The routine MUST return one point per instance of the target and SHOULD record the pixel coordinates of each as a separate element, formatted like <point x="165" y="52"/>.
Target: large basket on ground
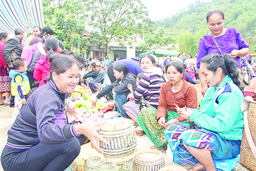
<point x="148" y="160"/>
<point x="121" y="138"/>
<point x="248" y="149"/>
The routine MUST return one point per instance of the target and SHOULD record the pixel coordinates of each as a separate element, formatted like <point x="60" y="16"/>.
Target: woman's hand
<point x="185" y="113"/>
<point x="170" y="122"/>
<point x="90" y="131"/>
<point x="94" y="102"/>
<point x="161" y="122"/>
<point x="234" y="53"/>
<point x="130" y="96"/>
<point x="129" y="86"/>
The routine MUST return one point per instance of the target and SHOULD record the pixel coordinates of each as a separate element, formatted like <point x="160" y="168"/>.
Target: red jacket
<point x="42" y="70"/>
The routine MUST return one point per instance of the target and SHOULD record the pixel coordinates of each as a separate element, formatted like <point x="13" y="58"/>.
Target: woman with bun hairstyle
<point x="219" y="122"/>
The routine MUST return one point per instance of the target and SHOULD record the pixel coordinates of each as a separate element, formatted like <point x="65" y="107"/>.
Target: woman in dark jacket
<point x="119" y="87"/>
<point x="40" y="138"/>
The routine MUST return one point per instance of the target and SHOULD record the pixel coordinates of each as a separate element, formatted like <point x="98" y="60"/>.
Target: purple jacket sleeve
<point x="240" y="40"/>
<point x="201" y="52"/>
<point x="48" y="131"/>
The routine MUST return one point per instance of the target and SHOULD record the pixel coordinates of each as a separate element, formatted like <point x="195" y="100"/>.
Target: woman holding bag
<point x="220" y="40"/>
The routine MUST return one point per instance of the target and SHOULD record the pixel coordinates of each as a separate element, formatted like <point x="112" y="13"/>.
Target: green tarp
<point x="160" y="53"/>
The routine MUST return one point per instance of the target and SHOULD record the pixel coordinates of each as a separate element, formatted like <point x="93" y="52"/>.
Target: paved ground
<point x="143" y="141"/>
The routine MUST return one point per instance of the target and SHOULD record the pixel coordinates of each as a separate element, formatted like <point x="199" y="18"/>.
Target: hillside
<point x="238" y="13"/>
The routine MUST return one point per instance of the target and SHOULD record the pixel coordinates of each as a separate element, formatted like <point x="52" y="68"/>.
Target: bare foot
<point x="163" y="149"/>
<point x="197" y="167"/>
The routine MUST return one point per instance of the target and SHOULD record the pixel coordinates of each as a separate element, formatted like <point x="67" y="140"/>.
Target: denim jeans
<point x="120" y="100"/>
<point x="92" y="86"/>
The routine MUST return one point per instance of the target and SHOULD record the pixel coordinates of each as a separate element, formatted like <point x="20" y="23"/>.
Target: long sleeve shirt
<point x="12" y="49"/>
<point x="186" y="96"/>
<point x="220" y="110"/>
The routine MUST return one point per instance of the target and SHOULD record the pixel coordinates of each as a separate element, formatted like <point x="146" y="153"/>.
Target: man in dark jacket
<point x="94" y="73"/>
<point x="98" y="79"/>
<point x="12" y="50"/>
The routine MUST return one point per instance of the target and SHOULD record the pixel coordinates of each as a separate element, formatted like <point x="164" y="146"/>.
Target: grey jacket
<point x="12" y="50"/>
<point x="100" y="77"/>
<point x="34" y="60"/>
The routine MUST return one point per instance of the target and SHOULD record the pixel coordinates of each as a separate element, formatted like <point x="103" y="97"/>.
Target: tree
<point x="157" y="39"/>
<point x="66" y="18"/>
<point x="119" y="19"/>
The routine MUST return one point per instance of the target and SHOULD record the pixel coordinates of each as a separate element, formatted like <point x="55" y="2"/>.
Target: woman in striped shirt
<point x="148" y="90"/>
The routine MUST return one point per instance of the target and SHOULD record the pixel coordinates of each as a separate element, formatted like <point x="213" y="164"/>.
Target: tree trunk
<point x="105" y="51"/>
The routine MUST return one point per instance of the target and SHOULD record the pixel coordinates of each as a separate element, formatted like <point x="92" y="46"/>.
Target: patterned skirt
<point x="200" y="139"/>
<point x="5" y="81"/>
<point x="148" y="122"/>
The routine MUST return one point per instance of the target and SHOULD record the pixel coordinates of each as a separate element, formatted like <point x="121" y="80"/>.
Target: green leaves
<point x="67" y="21"/>
<point x="115" y="18"/>
<point x="157" y="39"/>
<point x="238" y="13"/>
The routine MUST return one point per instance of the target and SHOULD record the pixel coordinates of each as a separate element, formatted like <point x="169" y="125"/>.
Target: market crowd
<point x="36" y="76"/>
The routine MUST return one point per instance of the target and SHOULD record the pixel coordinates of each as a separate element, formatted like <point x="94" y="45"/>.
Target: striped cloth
<point x="15" y="14"/>
<point x="149" y="87"/>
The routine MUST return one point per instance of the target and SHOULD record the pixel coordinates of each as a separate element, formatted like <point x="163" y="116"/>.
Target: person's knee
<point x="73" y="147"/>
<point x="90" y="83"/>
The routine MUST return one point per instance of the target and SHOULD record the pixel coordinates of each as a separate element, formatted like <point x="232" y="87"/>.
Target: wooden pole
<point x="30" y="10"/>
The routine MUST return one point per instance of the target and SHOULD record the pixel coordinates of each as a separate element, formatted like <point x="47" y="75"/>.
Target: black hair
<point x="3" y="35"/>
<point x="93" y="64"/>
<point x="18" y="31"/>
<point x="177" y="64"/>
<point x="37" y="27"/>
<point x="61" y="63"/>
<point x="225" y="62"/>
<point x="90" y="59"/>
<point x="61" y="45"/>
<point x="18" y="62"/>
<point x="213" y="11"/>
<point x="65" y="52"/>
<point x="80" y="58"/>
<point x="139" y="76"/>
<point x="71" y="53"/>
<point x="51" y="43"/>
<point x="121" y="67"/>
<point x="85" y="65"/>
<point x="47" y="30"/>
<point x="249" y="61"/>
<point x="44" y="38"/>
<point x="150" y="57"/>
<point x="184" y="66"/>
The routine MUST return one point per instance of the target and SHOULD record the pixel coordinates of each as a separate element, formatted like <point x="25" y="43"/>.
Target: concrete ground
<point x="143" y="141"/>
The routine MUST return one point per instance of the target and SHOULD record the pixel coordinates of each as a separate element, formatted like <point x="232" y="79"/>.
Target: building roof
<point x="15" y="13"/>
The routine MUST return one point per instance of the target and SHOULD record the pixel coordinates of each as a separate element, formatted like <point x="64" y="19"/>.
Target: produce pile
<point x="79" y="106"/>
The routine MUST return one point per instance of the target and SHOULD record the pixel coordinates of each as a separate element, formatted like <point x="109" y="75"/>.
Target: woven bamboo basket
<point x="148" y="160"/>
<point x="248" y="159"/>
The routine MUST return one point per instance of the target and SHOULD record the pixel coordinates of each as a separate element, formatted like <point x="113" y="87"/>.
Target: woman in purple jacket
<point x="230" y="41"/>
<point x="41" y="138"/>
